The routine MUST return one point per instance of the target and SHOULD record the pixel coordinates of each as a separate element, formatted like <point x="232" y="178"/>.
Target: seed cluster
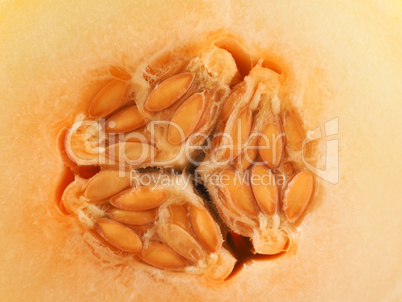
<point x="218" y="113"/>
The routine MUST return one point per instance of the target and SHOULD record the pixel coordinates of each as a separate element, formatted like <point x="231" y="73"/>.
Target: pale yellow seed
<point x="248" y="156"/>
<point x="118" y="235"/>
<point x="126" y="120"/>
<point x="82" y="144"/>
<point x="239" y="191"/>
<point x="239" y="133"/>
<point x="204" y="228"/>
<point x="283" y="175"/>
<point x="270" y="241"/>
<point x="119" y="73"/>
<point x="293" y="131"/>
<point x="271" y="144"/>
<point x="233" y="99"/>
<point x="161" y="256"/>
<point x="169" y="91"/>
<point x="71" y="196"/>
<point x="106" y="184"/>
<point x="264" y="188"/>
<point x="134" y="153"/>
<point x="109" y="99"/>
<point x="139" y="199"/>
<point x="182" y="242"/>
<point x="185" y="119"/>
<point x="179" y="215"/>
<point x="297" y="195"/>
<point x="221" y="268"/>
<point x="132" y="217"/>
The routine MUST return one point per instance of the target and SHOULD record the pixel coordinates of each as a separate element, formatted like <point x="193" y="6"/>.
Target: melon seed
<point x="297" y="195"/>
<point x="169" y="91"/>
<point x="139" y="199"/>
<point x="118" y="235"/>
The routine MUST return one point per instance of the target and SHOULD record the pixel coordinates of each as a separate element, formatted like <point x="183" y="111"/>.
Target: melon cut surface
<point x="346" y="63"/>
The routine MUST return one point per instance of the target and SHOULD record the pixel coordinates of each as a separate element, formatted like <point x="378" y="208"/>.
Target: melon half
<point x="346" y="63"/>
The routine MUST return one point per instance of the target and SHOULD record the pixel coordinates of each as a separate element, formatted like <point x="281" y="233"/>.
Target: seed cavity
<point x="226" y="93"/>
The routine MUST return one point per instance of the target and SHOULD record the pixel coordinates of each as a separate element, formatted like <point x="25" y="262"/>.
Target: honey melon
<point x="343" y="68"/>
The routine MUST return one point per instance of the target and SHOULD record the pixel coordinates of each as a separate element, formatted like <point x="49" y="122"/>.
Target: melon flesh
<point x="346" y="60"/>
